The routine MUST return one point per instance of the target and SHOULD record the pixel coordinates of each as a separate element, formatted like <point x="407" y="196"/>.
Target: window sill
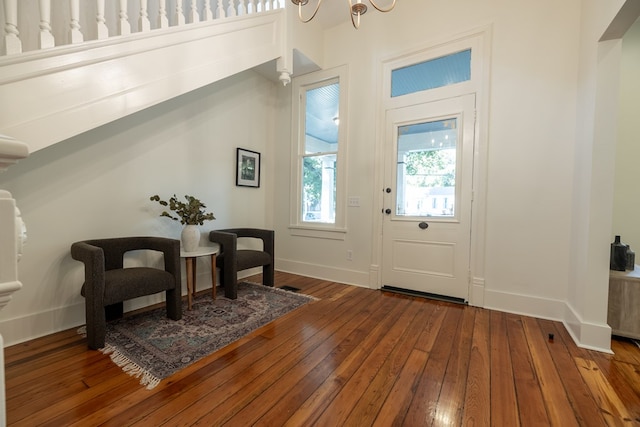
<point x="318" y="232"/>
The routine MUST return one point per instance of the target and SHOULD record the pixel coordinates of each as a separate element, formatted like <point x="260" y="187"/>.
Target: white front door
<point x="428" y="194"/>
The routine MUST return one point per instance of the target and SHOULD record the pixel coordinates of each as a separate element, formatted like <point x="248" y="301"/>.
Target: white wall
<point x="98" y="185"/>
<point x="626" y="209"/>
<point x="531" y="141"/>
<point x="540" y="204"/>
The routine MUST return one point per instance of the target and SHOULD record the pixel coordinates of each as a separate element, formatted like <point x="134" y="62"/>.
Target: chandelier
<point x="356" y="10"/>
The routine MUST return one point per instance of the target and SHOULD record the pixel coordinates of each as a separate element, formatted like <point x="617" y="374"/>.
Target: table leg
<point x="193" y="279"/>
<point x="191" y="282"/>
<point x="213" y="276"/>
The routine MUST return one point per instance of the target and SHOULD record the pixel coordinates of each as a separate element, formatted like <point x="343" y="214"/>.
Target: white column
<point x="163" y="21"/>
<point x="124" y="28"/>
<point x="46" y="38"/>
<point x="144" y="24"/>
<point x="101" y="23"/>
<point x="75" y="35"/>
<point x="193" y="12"/>
<point x="231" y="9"/>
<point x="208" y="14"/>
<point x="242" y="9"/>
<point x="12" y="43"/>
<point x="220" y="10"/>
<point x="179" y="14"/>
<point x="251" y="7"/>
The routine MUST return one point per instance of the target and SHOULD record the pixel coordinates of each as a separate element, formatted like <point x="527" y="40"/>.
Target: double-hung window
<point x="318" y="147"/>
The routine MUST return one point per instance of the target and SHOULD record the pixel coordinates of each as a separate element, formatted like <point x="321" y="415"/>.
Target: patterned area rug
<point x="152" y="347"/>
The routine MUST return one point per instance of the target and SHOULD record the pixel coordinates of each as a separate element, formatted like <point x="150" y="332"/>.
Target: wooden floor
<point x="355" y="357"/>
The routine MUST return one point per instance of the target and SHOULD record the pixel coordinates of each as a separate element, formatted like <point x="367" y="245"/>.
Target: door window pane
<point x="426" y="168"/>
<point x="431" y="74"/>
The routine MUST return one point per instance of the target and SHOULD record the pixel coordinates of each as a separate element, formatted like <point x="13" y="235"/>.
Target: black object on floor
<point x="413" y="293"/>
<point x="289" y="288"/>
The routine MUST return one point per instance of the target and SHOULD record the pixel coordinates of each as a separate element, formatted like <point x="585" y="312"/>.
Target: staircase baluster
<point x="179" y="14"/>
<point x="260" y="6"/>
<point x="124" y="28"/>
<point x="220" y="10"/>
<point x="75" y="35"/>
<point x="12" y="43"/>
<point x="242" y="9"/>
<point x="267" y="5"/>
<point x="163" y="21"/>
<point x="208" y="14"/>
<point x="101" y="22"/>
<point x="46" y="38"/>
<point x="193" y="12"/>
<point x="231" y="10"/>
<point x="251" y="7"/>
<point x="143" y="20"/>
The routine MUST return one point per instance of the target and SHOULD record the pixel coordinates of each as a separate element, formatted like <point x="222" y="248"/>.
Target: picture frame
<point x="247" y="168"/>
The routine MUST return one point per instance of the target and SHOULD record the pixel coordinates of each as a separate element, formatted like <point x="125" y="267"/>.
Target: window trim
<point x="300" y="85"/>
<point x="416" y="57"/>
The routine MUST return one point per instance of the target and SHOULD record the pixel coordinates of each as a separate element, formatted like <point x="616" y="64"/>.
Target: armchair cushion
<point x="128" y="283"/>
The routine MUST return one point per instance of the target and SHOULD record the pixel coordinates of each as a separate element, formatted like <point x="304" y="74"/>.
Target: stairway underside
<point x="50" y="95"/>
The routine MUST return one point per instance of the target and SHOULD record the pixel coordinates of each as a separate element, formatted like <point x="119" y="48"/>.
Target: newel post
<point x="12" y="235"/>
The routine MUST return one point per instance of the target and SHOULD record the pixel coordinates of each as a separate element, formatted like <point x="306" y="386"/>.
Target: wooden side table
<point x="190" y="259"/>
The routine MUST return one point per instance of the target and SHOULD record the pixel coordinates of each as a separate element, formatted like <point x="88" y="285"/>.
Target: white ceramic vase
<point x="190" y="238"/>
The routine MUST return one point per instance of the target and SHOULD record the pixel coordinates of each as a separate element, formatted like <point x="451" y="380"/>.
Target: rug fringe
<point x="147" y="379"/>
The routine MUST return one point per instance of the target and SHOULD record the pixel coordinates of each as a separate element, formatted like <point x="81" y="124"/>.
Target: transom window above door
<point x="431" y="74"/>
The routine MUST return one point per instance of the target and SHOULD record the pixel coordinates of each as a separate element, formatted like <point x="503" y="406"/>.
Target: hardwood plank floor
<point x="354" y="357"/>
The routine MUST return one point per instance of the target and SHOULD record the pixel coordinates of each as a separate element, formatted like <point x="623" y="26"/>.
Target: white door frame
<point x="479" y="42"/>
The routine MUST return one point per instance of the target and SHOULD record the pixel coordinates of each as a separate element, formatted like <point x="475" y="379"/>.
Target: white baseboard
<point x="591" y="336"/>
<point x="340" y="275"/>
<point x="587" y="335"/>
<point x="526" y="305"/>
<point x="36" y="325"/>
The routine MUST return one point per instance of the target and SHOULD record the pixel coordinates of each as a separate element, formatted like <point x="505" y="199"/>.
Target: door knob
<point x="388" y="190"/>
<point x="423" y="225"/>
<point x="387" y="211"/>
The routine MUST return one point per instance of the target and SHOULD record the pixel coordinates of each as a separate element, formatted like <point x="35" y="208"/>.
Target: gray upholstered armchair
<point x="107" y="284"/>
<point x="231" y="259"/>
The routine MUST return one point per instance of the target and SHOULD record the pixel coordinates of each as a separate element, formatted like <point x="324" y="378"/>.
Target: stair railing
<point x="30" y="24"/>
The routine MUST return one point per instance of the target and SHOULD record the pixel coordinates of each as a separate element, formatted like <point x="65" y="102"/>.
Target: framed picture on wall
<point x="247" y="168"/>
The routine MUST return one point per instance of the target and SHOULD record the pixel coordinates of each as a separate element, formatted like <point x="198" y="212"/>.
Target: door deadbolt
<point x="423" y="225"/>
<point x="387" y="211"/>
<point x="388" y="190"/>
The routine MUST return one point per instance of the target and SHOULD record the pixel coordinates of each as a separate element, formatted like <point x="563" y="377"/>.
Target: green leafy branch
<point x="190" y="213"/>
